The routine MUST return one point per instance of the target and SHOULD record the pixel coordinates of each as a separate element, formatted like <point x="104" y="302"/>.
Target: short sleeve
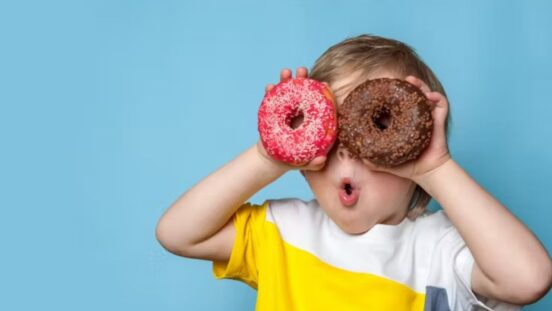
<point x="243" y="263"/>
<point x="458" y="261"/>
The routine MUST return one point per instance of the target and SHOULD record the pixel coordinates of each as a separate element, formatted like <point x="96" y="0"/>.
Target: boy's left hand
<point x="437" y="152"/>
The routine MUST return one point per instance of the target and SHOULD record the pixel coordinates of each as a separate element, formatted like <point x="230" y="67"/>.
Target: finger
<point x="432" y="100"/>
<point x="317" y="167"/>
<point x="302" y="72"/>
<point x="419" y="83"/>
<point x="369" y="164"/>
<point x="269" y="87"/>
<point x="440" y="110"/>
<point x="416" y="81"/>
<point x="439" y="99"/>
<point x="439" y="103"/>
<point x="317" y="163"/>
<point x="374" y="167"/>
<point x="318" y="160"/>
<point x="285" y="74"/>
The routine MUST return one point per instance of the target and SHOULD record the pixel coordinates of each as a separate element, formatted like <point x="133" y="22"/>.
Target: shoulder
<point x="295" y="217"/>
<point x="435" y="220"/>
<point x="431" y="227"/>
<point x="287" y="214"/>
<point x="449" y="271"/>
<point x="291" y="210"/>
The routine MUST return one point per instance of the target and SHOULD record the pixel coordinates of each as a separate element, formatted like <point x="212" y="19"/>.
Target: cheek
<point x="390" y="185"/>
<point x="321" y="186"/>
<point x="315" y="179"/>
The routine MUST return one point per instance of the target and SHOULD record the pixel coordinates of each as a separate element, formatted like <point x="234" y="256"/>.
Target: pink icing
<point x="317" y="132"/>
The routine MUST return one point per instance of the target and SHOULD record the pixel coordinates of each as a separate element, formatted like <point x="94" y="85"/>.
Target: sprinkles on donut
<point x="386" y="121"/>
<point x="297" y="121"/>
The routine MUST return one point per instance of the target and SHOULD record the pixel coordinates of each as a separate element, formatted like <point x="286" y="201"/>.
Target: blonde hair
<point x="366" y="54"/>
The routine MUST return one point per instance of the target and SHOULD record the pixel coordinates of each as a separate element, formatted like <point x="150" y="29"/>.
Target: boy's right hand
<point x="199" y="224"/>
<point x="316" y="163"/>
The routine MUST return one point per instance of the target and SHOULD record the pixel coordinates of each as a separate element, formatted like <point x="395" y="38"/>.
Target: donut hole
<point x="295" y="119"/>
<point x="382" y="118"/>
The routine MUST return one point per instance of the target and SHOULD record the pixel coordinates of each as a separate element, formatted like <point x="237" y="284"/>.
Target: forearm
<point x="206" y="207"/>
<point x="503" y="247"/>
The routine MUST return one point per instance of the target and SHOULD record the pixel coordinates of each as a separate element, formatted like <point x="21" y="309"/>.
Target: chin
<point x="356" y="231"/>
<point x="354" y="228"/>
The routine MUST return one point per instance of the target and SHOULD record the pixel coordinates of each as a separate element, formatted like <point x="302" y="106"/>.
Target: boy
<point x="384" y="252"/>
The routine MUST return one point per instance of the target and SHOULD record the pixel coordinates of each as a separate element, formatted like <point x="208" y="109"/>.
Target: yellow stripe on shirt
<point x="289" y="278"/>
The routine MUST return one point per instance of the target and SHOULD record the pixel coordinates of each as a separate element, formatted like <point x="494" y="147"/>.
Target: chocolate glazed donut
<point x="386" y="121"/>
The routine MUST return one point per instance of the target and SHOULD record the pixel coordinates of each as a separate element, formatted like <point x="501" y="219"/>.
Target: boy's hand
<point x="316" y="163"/>
<point x="437" y="152"/>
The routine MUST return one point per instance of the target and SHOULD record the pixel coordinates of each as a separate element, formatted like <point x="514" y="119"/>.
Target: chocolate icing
<point x="386" y="121"/>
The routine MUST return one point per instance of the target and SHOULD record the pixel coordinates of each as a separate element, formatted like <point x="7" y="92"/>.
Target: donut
<point x="386" y="121"/>
<point x="297" y="120"/>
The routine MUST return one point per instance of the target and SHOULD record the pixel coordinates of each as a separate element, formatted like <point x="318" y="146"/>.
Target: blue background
<point x="111" y="109"/>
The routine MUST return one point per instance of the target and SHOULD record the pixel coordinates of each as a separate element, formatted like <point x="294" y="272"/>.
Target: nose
<point x="343" y="154"/>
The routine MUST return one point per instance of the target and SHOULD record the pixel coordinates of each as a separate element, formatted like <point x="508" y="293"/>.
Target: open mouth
<point x="348" y="192"/>
<point x="348" y="189"/>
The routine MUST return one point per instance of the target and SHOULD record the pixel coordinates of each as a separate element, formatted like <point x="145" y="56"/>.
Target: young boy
<point x="384" y="252"/>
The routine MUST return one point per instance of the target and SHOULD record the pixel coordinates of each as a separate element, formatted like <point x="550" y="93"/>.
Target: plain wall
<point x="110" y="110"/>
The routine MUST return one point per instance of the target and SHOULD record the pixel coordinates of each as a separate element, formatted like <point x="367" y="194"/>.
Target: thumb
<point x="375" y="167"/>
<point x="316" y="163"/>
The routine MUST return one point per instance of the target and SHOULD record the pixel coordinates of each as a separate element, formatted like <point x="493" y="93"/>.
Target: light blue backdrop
<point x="111" y="109"/>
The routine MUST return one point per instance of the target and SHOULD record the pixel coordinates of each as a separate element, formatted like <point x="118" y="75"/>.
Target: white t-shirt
<point x="425" y="260"/>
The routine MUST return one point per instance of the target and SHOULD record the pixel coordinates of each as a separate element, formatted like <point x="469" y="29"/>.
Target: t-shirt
<point x="299" y="259"/>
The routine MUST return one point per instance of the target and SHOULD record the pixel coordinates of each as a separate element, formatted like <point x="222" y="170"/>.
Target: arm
<point x="198" y="224"/>
<point x="511" y="264"/>
<point x="188" y="225"/>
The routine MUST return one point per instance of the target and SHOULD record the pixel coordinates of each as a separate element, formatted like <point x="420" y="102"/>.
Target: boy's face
<point x="355" y="197"/>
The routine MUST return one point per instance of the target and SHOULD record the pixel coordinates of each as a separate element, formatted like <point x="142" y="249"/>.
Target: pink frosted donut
<point x="298" y="120"/>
